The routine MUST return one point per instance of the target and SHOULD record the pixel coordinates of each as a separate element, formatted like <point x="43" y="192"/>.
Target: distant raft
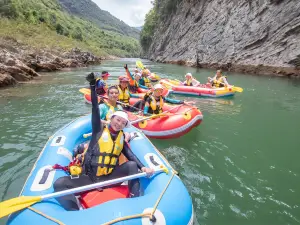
<point x="166" y="191"/>
<point x="177" y="88"/>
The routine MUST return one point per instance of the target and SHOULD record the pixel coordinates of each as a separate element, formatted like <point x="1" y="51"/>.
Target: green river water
<point x="241" y="165"/>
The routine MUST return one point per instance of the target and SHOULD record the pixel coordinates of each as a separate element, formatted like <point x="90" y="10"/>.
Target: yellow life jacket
<point x="154" y="104"/>
<point x="189" y="82"/>
<point x="124" y="95"/>
<point x="109" y="152"/>
<point x="147" y="82"/>
<point x="110" y="111"/>
<point x="219" y="82"/>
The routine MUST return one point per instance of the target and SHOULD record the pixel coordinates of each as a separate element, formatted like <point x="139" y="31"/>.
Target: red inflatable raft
<point x="177" y="88"/>
<point x="177" y="121"/>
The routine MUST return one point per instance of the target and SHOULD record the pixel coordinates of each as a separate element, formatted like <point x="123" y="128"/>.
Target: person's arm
<point x="131" y="156"/>
<point x="133" y="95"/>
<point x="96" y="122"/>
<point x="173" y="101"/>
<point x="146" y="107"/>
<point x="142" y="86"/>
<point x="103" y="111"/>
<point x="195" y="82"/>
<point x="141" y="82"/>
<point x="225" y="81"/>
<point x="129" y="75"/>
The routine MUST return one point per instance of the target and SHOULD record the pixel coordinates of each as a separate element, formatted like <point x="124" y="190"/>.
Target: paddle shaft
<point x="98" y="185"/>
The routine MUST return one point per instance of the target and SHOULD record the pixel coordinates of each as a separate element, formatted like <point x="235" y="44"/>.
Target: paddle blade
<point x="16" y="204"/>
<point x="237" y="89"/>
<point x="85" y="91"/>
<point x="139" y="64"/>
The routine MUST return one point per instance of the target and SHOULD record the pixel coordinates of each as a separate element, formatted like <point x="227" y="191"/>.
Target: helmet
<point x="188" y="75"/>
<point x="138" y="74"/>
<point x="122" y="114"/>
<point x="158" y="86"/>
<point x="123" y="78"/>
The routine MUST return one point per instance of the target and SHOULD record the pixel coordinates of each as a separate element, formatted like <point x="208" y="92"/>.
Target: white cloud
<point x="131" y="12"/>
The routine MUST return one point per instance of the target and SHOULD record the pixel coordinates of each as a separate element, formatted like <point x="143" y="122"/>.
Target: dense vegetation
<point x="88" y="10"/>
<point x="162" y="9"/>
<point x="29" y="16"/>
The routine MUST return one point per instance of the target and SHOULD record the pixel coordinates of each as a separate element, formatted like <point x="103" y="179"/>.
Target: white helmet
<point x="158" y="86"/>
<point x="122" y="114"/>
<point x="138" y="74"/>
<point x="188" y="75"/>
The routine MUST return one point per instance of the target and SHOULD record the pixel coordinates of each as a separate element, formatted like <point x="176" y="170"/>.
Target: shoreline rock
<point x="19" y="62"/>
<point x="246" y="69"/>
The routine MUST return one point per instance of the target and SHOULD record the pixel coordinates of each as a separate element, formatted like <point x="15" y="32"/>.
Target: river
<point x="240" y="165"/>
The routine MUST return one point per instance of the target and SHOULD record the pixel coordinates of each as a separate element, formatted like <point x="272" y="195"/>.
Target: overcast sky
<point x="131" y="12"/>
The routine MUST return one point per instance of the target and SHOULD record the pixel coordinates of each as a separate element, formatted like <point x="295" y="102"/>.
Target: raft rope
<point x="150" y="215"/>
<point x="46" y="216"/>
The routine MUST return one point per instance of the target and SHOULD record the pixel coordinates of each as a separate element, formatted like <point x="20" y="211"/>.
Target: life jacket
<point x="147" y="82"/>
<point x="100" y="90"/>
<point x="219" y="82"/>
<point x="188" y="82"/>
<point x="156" y="107"/>
<point x="133" y="86"/>
<point x="124" y="95"/>
<point x="103" y="161"/>
<point x="111" y="110"/>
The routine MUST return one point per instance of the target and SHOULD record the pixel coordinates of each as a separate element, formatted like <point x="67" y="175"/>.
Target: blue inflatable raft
<point x="175" y="205"/>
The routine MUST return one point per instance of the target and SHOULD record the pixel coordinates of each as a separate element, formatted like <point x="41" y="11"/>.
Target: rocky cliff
<point x="20" y="62"/>
<point x="256" y="36"/>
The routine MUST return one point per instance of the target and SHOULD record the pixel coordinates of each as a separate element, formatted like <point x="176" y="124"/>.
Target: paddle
<point x="237" y="89"/>
<point x="15" y="204"/>
<point x="139" y="64"/>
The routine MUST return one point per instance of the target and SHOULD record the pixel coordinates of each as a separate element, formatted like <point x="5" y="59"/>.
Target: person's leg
<point x="126" y="169"/>
<point x="69" y="202"/>
<point x="139" y="104"/>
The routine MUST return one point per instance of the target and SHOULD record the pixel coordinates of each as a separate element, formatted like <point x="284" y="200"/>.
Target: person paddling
<point x="218" y="80"/>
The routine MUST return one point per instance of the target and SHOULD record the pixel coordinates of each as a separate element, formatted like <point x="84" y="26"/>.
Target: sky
<point x="131" y="12"/>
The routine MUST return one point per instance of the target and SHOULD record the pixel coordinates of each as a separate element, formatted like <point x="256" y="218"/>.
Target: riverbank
<point x="20" y="62"/>
<point x="247" y="69"/>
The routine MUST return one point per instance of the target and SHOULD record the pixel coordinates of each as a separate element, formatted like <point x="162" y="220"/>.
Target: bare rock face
<point x="22" y="63"/>
<point x="257" y="36"/>
<point x="6" y="80"/>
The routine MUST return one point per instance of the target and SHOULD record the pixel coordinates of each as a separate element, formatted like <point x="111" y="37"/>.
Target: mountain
<point x="139" y="28"/>
<point x="88" y="10"/>
<point x="254" y="36"/>
<point x="78" y="23"/>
